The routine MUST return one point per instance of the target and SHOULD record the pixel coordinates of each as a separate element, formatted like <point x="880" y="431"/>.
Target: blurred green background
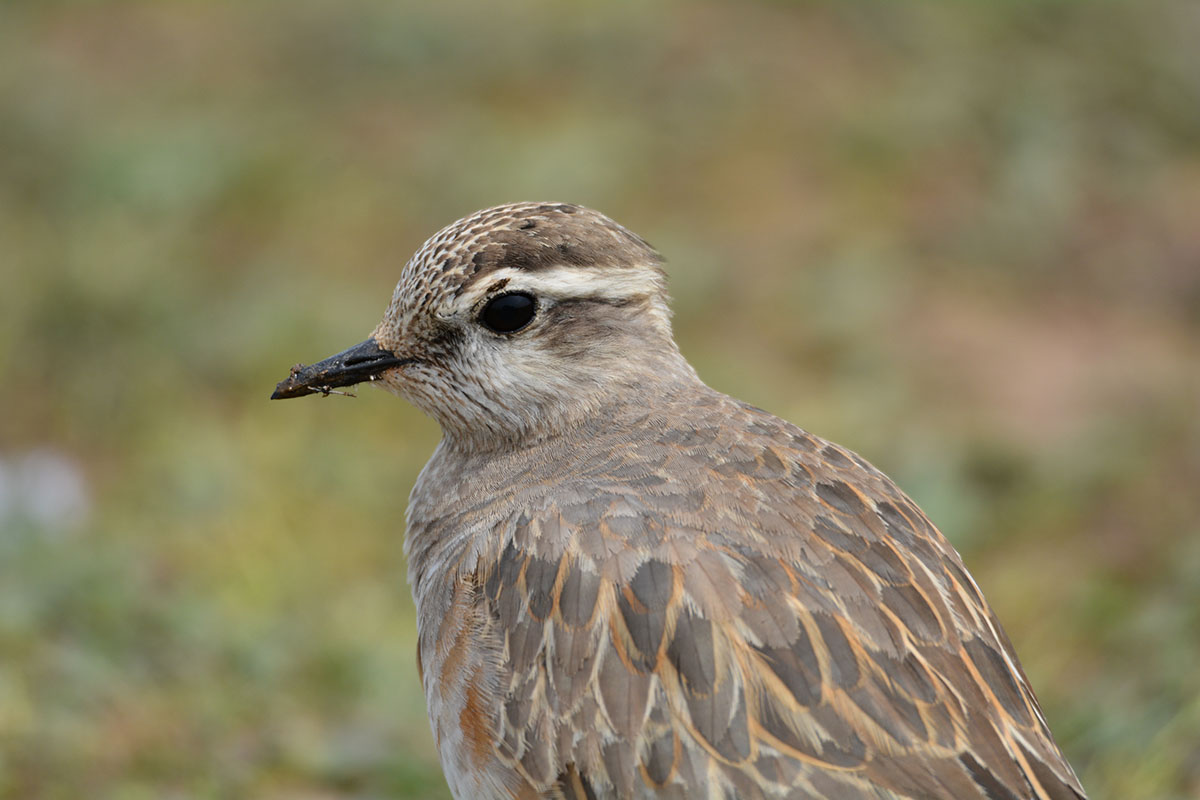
<point x="962" y="239"/>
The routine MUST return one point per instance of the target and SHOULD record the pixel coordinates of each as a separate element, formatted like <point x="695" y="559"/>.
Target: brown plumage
<point x="631" y="585"/>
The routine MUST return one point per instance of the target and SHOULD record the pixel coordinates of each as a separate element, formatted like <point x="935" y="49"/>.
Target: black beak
<point x="361" y="363"/>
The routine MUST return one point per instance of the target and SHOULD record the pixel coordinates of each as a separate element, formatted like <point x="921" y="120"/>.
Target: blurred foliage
<point x="963" y="239"/>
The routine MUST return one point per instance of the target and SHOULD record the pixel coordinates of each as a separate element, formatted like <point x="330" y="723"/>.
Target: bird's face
<point x="512" y="321"/>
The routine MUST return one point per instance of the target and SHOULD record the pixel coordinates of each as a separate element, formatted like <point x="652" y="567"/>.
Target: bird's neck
<point x="628" y="387"/>
<point x="448" y="526"/>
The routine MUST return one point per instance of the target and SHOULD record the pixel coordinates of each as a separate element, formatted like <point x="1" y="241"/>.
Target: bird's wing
<point x="831" y="646"/>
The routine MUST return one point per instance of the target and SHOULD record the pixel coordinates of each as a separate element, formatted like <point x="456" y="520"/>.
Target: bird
<point x="630" y="585"/>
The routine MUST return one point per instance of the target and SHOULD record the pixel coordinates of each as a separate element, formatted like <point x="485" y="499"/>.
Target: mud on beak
<point x="362" y="363"/>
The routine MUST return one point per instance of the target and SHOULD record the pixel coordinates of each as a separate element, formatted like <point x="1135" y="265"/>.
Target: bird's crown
<point x="553" y="250"/>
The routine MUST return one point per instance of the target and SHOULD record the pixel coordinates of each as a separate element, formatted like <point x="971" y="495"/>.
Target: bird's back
<point x="731" y="608"/>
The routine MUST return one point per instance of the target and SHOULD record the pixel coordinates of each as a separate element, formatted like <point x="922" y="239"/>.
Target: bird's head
<point x="514" y="321"/>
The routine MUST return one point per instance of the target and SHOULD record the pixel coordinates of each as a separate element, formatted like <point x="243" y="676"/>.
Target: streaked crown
<point x="561" y="248"/>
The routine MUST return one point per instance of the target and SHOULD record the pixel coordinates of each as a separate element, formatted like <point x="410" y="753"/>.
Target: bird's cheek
<point x="391" y="381"/>
<point x="410" y="382"/>
<point x="417" y="384"/>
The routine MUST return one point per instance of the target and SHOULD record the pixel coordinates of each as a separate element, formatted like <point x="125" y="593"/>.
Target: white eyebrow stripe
<point x="561" y="283"/>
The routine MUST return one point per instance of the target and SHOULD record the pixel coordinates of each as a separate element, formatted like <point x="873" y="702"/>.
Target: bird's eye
<point x="509" y="313"/>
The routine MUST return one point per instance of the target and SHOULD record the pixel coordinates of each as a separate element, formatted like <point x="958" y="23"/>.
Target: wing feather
<point x="749" y="621"/>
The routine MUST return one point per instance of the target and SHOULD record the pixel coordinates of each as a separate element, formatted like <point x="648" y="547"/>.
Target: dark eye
<point x="509" y="312"/>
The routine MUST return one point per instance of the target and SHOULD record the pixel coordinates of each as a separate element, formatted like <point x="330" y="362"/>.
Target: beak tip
<point x="288" y="388"/>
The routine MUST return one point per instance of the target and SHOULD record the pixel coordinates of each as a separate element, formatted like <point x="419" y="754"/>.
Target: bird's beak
<point x="363" y="362"/>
